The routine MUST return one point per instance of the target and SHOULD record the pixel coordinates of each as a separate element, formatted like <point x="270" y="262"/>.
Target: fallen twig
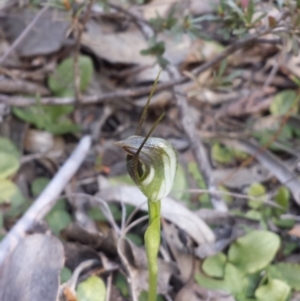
<point x="22" y="101"/>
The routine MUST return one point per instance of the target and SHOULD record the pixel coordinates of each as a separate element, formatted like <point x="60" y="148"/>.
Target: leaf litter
<point x="242" y="109"/>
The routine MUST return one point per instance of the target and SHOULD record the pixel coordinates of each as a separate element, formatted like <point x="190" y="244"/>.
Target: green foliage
<point x="136" y="239"/>
<point x="256" y="190"/>
<point x="286" y="272"/>
<point x="239" y="273"/>
<point x="274" y="290"/>
<point x="6" y="146"/>
<point x="65" y="275"/>
<point x="234" y="281"/>
<point x="226" y="155"/>
<point x="38" y="185"/>
<point x="220" y="78"/>
<point x="52" y="119"/>
<point x="282" y="199"/>
<point x="122" y="285"/>
<point x="157" y="49"/>
<point x="221" y="154"/>
<point x="58" y="218"/>
<point x="9" y="164"/>
<point x="159" y="24"/>
<point x="61" y="83"/>
<point x="214" y="266"/>
<point x="10" y="194"/>
<point x="152" y="243"/>
<point x="96" y="214"/>
<point x="283" y="102"/>
<point x="254" y="251"/>
<point x="92" y="289"/>
<point x="144" y="297"/>
<point x="237" y="17"/>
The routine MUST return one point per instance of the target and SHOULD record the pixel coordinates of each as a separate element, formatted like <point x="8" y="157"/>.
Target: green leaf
<point x="214" y="266"/>
<point x="122" y="285"/>
<point x="210" y="283"/>
<point x="61" y="83"/>
<point x="38" y="185"/>
<point x="274" y="290"/>
<point x="9" y="164"/>
<point x="256" y="190"/>
<point x="96" y="214"/>
<point x="235" y="280"/>
<point x="283" y="101"/>
<point x="50" y="118"/>
<point x="58" y="220"/>
<point x="136" y="239"/>
<point x="92" y="289"/>
<point x="254" y="251"/>
<point x="6" y="146"/>
<point x="144" y="297"/>
<point x="10" y="193"/>
<point x="254" y="215"/>
<point x="286" y="272"/>
<point x="285" y="223"/>
<point x="222" y="154"/>
<point x="65" y="275"/>
<point x="282" y="199"/>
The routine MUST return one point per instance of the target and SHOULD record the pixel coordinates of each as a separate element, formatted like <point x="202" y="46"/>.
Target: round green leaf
<point x="256" y="190"/>
<point x="38" y="185"/>
<point x="92" y="289"/>
<point x="6" y="146"/>
<point x="10" y="193"/>
<point x="9" y="164"/>
<point x="61" y="83"/>
<point x="214" y="266"/>
<point x="254" y="251"/>
<point x="274" y="290"/>
<point x="58" y="220"/>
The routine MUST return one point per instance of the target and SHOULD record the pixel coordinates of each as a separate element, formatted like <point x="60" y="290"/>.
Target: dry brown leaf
<point x="295" y="231"/>
<point x="181" y="252"/>
<point x="240" y="177"/>
<point x="32" y="271"/>
<point x="193" y="292"/>
<point x="47" y="35"/>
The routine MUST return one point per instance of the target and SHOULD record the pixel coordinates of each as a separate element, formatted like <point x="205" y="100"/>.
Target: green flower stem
<point x="152" y="243"/>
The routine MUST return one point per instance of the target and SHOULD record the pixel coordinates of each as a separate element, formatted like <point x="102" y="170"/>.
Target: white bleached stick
<point x="44" y="203"/>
